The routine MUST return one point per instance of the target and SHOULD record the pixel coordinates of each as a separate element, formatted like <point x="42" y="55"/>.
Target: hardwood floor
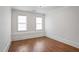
<point x="41" y="44"/>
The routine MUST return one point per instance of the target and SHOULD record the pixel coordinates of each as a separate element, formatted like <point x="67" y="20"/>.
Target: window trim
<point x="18" y="23"/>
<point x="39" y="23"/>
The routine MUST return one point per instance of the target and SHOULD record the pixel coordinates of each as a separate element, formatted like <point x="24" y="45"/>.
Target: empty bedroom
<point x="39" y="29"/>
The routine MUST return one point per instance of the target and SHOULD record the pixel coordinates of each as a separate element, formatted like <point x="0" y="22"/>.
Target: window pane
<point x="38" y="26"/>
<point x="38" y="20"/>
<point x="21" y="27"/>
<point x="22" y="22"/>
<point x="21" y="19"/>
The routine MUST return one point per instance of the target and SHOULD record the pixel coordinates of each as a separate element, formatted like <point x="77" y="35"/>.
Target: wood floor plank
<point x="41" y="44"/>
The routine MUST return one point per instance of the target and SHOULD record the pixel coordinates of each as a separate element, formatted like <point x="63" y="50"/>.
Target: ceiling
<point x="37" y="9"/>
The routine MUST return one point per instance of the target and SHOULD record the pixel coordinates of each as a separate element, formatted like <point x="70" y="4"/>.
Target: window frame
<point x="19" y="23"/>
<point x="38" y="23"/>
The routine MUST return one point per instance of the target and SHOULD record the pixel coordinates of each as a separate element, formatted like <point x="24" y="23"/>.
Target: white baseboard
<point x="71" y="43"/>
<point x="7" y="47"/>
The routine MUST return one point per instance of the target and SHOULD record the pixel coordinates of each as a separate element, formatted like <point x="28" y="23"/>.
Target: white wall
<point x="31" y="30"/>
<point x="63" y="25"/>
<point x="5" y="28"/>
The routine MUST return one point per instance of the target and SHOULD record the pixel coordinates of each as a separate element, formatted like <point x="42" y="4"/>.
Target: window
<point x="38" y="23"/>
<point x="22" y="23"/>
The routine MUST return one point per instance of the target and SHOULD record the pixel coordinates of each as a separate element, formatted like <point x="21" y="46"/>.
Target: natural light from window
<point x="38" y="23"/>
<point x="22" y="23"/>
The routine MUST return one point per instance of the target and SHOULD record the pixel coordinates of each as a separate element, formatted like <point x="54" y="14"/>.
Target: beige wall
<point x="31" y="26"/>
